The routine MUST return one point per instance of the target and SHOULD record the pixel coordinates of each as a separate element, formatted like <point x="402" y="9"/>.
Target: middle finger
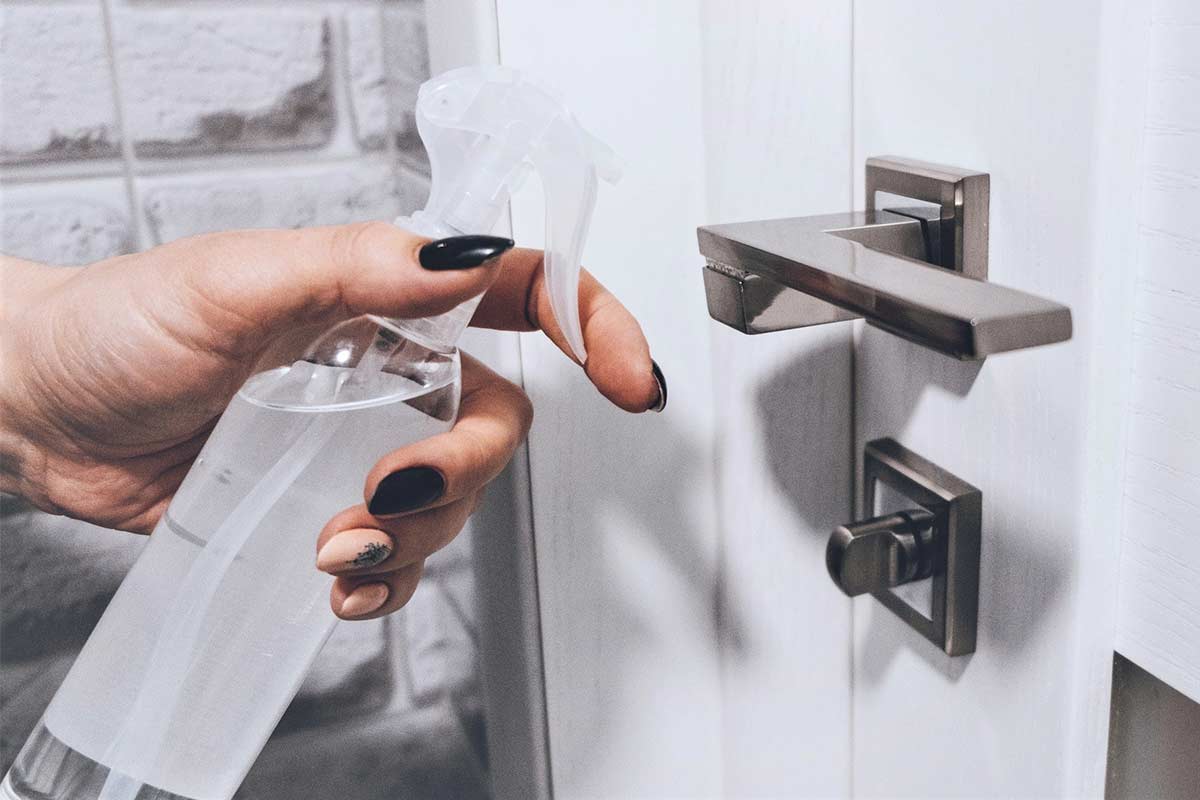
<point x="356" y="543"/>
<point x="493" y="419"/>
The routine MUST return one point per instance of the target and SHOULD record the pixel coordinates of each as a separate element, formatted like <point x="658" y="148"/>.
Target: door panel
<point x="623" y="505"/>
<point x="1024" y="91"/>
<point x="681" y="662"/>
<point x="777" y="136"/>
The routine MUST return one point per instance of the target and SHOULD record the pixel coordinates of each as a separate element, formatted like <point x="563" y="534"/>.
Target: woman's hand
<point x="114" y="374"/>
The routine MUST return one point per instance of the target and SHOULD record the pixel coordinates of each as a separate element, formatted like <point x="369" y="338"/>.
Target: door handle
<point x="936" y="537"/>
<point x="880" y="553"/>
<point x="919" y="273"/>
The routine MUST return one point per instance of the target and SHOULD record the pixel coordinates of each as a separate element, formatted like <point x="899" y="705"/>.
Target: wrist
<point x="22" y="464"/>
<point x="20" y="461"/>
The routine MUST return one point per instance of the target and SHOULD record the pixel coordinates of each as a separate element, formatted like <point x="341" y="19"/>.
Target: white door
<point x="693" y="644"/>
<point x="1047" y="98"/>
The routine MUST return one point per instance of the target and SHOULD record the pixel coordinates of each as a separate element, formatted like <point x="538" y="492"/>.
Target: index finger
<point x="493" y="420"/>
<point x="619" y="362"/>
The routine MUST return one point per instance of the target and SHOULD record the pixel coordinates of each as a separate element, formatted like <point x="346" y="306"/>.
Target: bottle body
<point x="186" y="712"/>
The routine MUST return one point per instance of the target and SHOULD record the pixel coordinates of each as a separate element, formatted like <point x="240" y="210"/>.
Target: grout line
<point x="41" y="172"/>
<point x="392" y="114"/>
<point x="296" y="7"/>
<point x="341" y="77"/>
<point x="128" y="157"/>
<point x="343" y="138"/>
<point x="197" y="164"/>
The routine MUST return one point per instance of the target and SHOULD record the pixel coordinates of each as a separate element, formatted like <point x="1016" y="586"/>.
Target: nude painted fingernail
<point x="364" y="600"/>
<point x="354" y="549"/>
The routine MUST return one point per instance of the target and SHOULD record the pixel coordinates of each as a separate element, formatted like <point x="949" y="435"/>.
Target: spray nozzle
<point x="486" y="129"/>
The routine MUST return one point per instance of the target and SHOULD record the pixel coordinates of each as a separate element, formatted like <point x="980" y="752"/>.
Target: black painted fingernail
<point x="406" y="490"/>
<point x="463" y="252"/>
<point x="662" y="386"/>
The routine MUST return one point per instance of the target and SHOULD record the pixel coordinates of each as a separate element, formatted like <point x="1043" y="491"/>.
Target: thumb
<point x="271" y="278"/>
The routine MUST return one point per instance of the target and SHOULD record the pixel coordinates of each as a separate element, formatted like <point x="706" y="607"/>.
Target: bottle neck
<point x="440" y="332"/>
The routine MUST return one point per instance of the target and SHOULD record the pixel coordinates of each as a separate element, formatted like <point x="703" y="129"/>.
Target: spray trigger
<point x="485" y="129"/>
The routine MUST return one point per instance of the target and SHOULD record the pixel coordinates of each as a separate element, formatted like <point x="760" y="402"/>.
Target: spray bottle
<point x="209" y="636"/>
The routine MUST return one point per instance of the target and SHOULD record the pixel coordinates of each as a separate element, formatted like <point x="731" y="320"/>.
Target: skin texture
<point x="112" y="375"/>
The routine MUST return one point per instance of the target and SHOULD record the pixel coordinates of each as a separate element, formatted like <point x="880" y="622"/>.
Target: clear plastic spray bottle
<point x="209" y="636"/>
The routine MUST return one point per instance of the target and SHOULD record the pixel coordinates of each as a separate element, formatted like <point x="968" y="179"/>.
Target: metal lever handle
<point x="916" y="274"/>
<point x="883" y="552"/>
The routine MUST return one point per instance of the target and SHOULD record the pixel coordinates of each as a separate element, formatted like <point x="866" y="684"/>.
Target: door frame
<point x="461" y="33"/>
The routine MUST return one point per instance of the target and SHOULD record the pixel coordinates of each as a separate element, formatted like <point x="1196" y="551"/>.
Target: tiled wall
<point x="127" y="123"/>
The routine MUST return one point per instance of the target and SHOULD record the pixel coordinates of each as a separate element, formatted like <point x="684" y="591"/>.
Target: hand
<point x="112" y="375"/>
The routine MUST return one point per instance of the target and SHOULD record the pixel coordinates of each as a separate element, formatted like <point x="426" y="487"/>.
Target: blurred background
<point x="131" y="123"/>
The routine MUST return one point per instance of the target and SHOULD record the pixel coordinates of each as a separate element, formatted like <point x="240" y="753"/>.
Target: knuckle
<point x="478" y="450"/>
<point x="534" y="293"/>
<point x="524" y="410"/>
<point x="377" y="232"/>
<point x="200" y="250"/>
<point x="445" y="531"/>
<point x="519" y="406"/>
<point x="356" y="244"/>
<point x="406" y="584"/>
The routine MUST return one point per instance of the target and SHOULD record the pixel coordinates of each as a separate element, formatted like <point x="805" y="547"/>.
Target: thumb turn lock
<point x="935" y="538"/>
<point x="883" y="552"/>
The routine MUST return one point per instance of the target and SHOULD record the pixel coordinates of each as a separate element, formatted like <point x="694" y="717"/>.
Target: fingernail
<point x="405" y="490"/>
<point x="662" y="386"/>
<point x="354" y="549"/>
<point x="462" y="252"/>
<point x="365" y="599"/>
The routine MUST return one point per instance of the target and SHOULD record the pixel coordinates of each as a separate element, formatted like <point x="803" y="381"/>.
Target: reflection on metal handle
<point x="883" y="552"/>
<point x="917" y="272"/>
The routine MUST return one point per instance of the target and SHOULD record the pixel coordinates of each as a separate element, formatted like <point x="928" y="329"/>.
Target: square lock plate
<point x="957" y="509"/>
<point x="959" y="224"/>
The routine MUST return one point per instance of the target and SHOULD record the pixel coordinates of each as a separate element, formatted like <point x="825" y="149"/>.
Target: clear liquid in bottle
<point x="268" y="617"/>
